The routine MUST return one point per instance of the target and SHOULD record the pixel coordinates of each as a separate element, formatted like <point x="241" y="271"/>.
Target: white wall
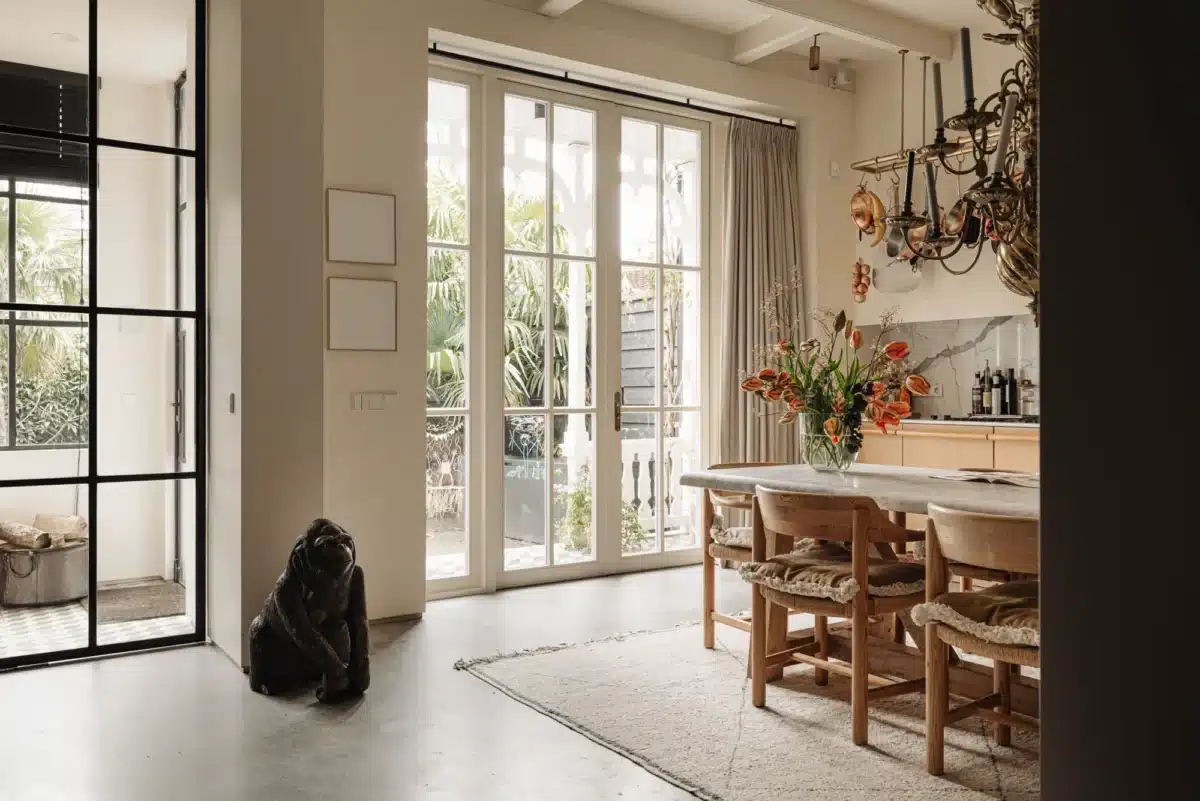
<point x="940" y="295"/>
<point x="135" y="379"/>
<point x="374" y="125"/>
<point x="266" y="234"/>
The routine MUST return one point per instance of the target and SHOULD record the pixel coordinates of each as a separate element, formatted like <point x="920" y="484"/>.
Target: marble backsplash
<point x="950" y="352"/>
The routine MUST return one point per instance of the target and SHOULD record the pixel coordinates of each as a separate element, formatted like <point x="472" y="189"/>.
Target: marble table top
<point x="897" y="489"/>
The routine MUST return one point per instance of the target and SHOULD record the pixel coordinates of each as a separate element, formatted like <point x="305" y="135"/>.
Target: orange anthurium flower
<point x="905" y="396"/>
<point x="796" y="404"/>
<point x="856" y="339"/>
<point x="784" y="378"/>
<point x="839" y="405"/>
<point x="833" y="427"/>
<point x="896" y="350"/>
<point x="877" y="389"/>
<point x="917" y="385"/>
<point x="898" y="409"/>
<point x="767" y="374"/>
<point x="753" y="384"/>
<point x="773" y="395"/>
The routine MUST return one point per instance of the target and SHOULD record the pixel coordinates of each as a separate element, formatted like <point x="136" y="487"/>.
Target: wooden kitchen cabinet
<point x="948" y="446"/>
<point x="880" y="448"/>
<point x="1017" y="449"/>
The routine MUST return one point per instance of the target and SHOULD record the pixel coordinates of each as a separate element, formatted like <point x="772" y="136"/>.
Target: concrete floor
<point x="182" y="725"/>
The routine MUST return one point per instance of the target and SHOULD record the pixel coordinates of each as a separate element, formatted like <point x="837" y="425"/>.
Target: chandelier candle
<point x="968" y="81"/>
<point x="938" y="115"/>
<point x="935" y="215"/>
<point x="1006" y="124"/>
<point x="912" y="157"/>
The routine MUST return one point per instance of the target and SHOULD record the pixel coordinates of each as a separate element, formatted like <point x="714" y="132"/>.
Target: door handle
<point x="617" y="398"/>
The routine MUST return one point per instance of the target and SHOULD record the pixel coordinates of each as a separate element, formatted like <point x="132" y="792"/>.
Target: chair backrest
<point x="997" y="542"/>
<point x="824" y="517"/>
<point x="728" y="498"/>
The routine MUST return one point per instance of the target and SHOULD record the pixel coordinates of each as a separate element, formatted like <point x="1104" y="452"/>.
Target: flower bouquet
<point x="823" y="385"/>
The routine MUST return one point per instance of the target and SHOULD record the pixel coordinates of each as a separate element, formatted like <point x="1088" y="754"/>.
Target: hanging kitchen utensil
<point x="893" y="276"/>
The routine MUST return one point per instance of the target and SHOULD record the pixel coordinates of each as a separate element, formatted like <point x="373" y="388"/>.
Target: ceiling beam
<point x="870" y="26"/>
<point x="778" y="32"/>
<point x="556" y="8"/>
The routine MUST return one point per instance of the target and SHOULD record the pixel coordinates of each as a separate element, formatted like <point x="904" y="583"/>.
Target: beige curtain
<point x="762" y="249"/>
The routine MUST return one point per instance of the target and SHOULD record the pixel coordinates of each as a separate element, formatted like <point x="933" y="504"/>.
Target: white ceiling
<point x="142" y="41"/>
<point x="733" y="16"/>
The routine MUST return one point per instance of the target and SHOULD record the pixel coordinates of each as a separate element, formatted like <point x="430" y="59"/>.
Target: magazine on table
<point x="1028" y="480"/>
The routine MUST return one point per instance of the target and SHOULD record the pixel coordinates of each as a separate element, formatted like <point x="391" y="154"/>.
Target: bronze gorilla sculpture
<point x="313" y="626"/>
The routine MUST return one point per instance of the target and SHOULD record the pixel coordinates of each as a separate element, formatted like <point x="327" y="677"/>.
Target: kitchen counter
<point x="991" y="423"/>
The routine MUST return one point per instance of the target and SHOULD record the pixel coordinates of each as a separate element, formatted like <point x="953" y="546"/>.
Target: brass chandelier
<point x="1000" y="206"/>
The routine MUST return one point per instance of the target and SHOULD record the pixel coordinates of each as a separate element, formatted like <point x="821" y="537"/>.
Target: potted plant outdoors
<point x="826" y="389"/>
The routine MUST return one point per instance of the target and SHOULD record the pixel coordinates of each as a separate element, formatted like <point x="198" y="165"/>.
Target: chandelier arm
<point x="971" y="266"/>
<point x="946" y="166"/>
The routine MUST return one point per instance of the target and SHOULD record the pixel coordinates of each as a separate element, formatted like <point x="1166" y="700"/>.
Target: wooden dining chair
<point x="968" y="574"/>
<point x="828" y="580"/>
<point x="999" y="622"/>
<point x="723" y="543"/>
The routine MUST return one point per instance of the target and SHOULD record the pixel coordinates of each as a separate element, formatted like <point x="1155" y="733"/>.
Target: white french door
<point x="567" y="267"/>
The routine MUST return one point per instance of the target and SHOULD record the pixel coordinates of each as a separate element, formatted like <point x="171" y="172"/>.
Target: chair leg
<point x="710" y="597"/>
<point x="821" y="632"/>
<point x="965" y="583"/>
<point x="859" y="669"/>
<point x="758" y="648"/>
<point x="1002" y="684"/>
<point x="937" y="699"/>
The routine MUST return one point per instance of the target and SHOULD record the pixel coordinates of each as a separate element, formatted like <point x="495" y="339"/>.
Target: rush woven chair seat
<point x="1001" y="622"/>
<point x="835" y="577"/>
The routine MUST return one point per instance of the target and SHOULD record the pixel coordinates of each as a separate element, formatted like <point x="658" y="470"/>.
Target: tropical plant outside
<point x="50" y="395"/>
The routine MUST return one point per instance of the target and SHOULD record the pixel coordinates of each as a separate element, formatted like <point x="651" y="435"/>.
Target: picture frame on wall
<point x="360" y="227"/>
<point x="362" y="314"/>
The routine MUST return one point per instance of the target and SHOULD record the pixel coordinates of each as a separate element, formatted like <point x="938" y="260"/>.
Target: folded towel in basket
<point x="70" y="527"/>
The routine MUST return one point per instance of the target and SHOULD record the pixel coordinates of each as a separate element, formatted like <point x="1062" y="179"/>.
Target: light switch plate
<point x="835" y="170"/>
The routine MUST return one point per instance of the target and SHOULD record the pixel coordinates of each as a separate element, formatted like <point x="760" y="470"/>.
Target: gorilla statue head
<point x="326" y="550"/>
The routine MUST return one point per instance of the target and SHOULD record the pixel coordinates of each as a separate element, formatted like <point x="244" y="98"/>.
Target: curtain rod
<point x="565" y="77"/>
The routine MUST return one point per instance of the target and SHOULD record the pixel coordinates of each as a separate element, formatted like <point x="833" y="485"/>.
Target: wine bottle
<point x="977" y="395"/>
<point x="997" y="392"/>
<point x="1013" y="393"/>
<point x="986" y="389"/>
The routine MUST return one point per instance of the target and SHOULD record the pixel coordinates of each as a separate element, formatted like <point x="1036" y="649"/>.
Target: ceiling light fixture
<point x="814" y="54"/>
<point x="1001" y="203"/>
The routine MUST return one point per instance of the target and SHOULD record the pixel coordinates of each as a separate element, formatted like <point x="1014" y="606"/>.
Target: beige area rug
<point x="683" y="713"/>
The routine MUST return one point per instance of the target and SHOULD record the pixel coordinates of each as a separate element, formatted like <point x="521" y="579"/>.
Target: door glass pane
<point x="44" y="66"/>
<point x="445" y="497"/>
<point x="136" y="215"/>
<point x="639" y="191"/>
<point x="525" y="491"/>
<point x="639" y="482"/>
<point x="135" y="394"/>
<point x="4" y="225"/>
<point x="50" y="398"/>
<point x="138" y="595"/>
<point x="43" y="592"/>
<point x="525" y="150"/>
<point x="143" y="47"/>
<point x="638" y="335"/>
<point x="574" y="182"/>
<point x="681" y="337"/>
<point x="681" y="197"/>
<point x="446" y="329"/>
<point x="51" y="252"/>
<point x="574" y="527"/>
<point x="524" y="331"/>
<point x="447" y="163"/>
<point x="681" y="454"/>
<point x="574" y="310"/>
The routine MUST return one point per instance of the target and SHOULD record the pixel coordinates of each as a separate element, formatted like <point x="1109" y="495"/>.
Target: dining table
<point x="896" y="645"/>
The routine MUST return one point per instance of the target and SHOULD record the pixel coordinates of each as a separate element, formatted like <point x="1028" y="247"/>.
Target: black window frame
<point x="72" y="143"/>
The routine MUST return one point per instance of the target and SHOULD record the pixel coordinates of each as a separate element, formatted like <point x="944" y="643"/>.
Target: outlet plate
<point x="936" y="391"/>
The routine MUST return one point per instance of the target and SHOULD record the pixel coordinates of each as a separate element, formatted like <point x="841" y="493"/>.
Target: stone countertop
<point x="997" y="424"/>
<point x="898" y="489"/>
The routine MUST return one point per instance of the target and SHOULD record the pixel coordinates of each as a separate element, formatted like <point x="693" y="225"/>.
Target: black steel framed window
<point x="50" y="146"/>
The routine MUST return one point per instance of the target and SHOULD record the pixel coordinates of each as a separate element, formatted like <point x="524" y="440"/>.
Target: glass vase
<point x="818" y="449"/>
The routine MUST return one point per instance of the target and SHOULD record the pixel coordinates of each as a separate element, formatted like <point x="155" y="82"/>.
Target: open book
<point x="1028" y="480"/>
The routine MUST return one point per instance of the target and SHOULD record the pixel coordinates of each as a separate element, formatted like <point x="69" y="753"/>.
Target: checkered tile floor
<point x="44" y="629"/>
